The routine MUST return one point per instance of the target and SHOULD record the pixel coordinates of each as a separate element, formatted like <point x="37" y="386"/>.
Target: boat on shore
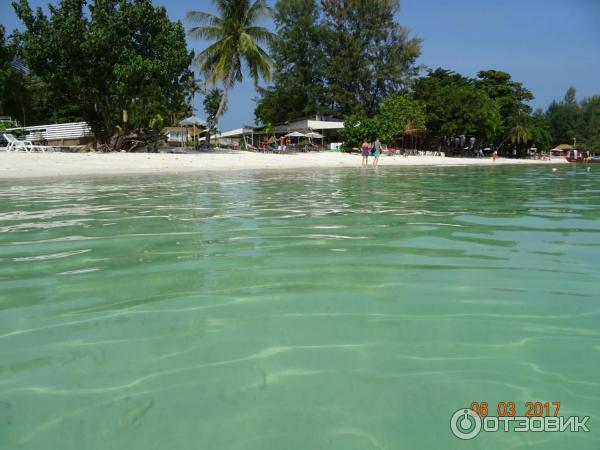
<point x="588" y="160"/>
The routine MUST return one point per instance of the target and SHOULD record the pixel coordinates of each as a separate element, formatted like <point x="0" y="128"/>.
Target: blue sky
<point x="548" y="45"/>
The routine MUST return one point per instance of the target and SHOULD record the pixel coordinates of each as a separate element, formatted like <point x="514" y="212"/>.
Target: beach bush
<point x="157" y="122"/>
<point x="397" y="113"/>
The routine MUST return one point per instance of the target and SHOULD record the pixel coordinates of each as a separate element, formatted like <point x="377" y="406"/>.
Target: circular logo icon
<point x="465" y="424"/>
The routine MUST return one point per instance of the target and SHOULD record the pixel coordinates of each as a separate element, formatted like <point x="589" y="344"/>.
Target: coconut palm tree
<point x="520" y="132"/>
<point x="237" y="40"/>
<point x="192" y="87"/>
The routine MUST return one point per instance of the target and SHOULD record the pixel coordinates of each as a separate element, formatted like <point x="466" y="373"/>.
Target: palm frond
<point x="259" y="9"/>
<point x="208" y="32"/>
<point x="257" y="60"/>
<point x="260" y="34"/>
<point x="203" y="17"/>
<point x="237" y="38"/>
<point x="218" y="60"/>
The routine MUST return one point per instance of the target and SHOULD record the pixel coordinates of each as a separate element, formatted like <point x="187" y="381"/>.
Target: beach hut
<point x="411" y="137"/>
<point x="193" y="122"/>
<point x="562" y="150"/>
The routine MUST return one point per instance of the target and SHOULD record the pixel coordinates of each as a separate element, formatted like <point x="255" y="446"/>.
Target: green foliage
<point x="456" y="105"/>
<point x="369" y="55"/>
<point x="589" y="128"/>
<point x="564" y="118"/>
<point x="6" y="70"/>
<point x="509" y="94"/>
<point x="298" y="80"/>
<point x="268" y="129"/>
<point x="356" y="128"/>
<point x="570" y="96"/>
<point x="568" y="121"/>
<point x="520" y="132"/>
<point x="343" y="58"/>
<point x="157" y="122"/>
<point x="397" y="113"/>
<point x="12" y="82"/>
<point x="540" y="130"/>
<point x="237" y="40"/>
<point x="211" y="103"/>
<point x="110" y="57"/>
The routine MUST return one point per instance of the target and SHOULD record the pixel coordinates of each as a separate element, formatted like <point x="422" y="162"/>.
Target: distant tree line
<point x="123" y="64"/>
<point x="576" y="122"/>
<point x="350" y="59"/>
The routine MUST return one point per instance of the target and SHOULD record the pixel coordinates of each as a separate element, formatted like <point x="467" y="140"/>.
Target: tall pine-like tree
<point x="298" y="82"/>
<point x="339" y="57"/>
<point x="369" y="55"/>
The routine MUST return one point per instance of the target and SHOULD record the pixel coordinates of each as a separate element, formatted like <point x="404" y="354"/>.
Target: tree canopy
<point x="336" y="57"/>
<point x="571" y="121"/>
<point x="454" y="105"/>
<point x="10" y="81"/>
<point x="299" y="62"/>
<point x="107" y="57"/>
<point x="369" y="55"/>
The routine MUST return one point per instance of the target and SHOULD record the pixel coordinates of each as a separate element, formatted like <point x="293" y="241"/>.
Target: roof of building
<point x="235" y="133"/>
<point x="299" y="125"/>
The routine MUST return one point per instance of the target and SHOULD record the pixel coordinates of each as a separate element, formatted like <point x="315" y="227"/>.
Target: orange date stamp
<point x="509" y="409"/>
<point x="512" y="417"/>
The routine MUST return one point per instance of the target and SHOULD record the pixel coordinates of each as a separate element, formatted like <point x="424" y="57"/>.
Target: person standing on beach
<point x="282" y="147"/>
<point x="364" y="150"/>
<point x="376" y="152"/>
<point x="494" y="155"/>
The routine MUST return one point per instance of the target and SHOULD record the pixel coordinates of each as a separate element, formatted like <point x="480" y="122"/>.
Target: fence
<point x="58" y="134"/>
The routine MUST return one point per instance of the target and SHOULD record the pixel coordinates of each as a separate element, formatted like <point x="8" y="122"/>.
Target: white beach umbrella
<point x="314" y="135"/>
<point x="295" y="134"/>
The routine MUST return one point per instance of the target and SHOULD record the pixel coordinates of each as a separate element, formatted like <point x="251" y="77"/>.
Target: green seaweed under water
<point x="314" y="309"/>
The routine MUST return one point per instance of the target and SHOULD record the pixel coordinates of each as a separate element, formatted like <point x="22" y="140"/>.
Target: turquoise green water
<point x="330" y="309"/>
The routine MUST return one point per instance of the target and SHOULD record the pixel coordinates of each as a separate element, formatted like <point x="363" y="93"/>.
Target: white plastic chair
<point x="15" y="145"/>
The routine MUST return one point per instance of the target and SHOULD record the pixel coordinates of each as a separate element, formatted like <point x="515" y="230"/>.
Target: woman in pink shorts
<point x="364" y="150"/>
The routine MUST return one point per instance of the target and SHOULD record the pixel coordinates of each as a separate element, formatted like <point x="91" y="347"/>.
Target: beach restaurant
<point x="327" y="128"/>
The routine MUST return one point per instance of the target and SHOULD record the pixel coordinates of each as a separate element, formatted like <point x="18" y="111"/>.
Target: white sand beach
<point x="51" y="164"/>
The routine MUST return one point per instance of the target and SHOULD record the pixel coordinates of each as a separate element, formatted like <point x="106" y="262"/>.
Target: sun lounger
<point x="16" y="145"/>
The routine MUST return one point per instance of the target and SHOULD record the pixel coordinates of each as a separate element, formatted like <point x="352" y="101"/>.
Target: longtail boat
<point x="589" y="160"/>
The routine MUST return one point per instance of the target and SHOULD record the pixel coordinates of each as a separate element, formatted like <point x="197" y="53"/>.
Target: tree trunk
<point x="226" y="86"/>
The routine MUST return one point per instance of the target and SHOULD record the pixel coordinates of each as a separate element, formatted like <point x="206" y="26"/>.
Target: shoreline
<point x="16" y="165"/>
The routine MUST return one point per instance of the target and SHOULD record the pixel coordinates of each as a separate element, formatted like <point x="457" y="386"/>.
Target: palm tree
<point x="237" y="38"/>
<point x="520" y="132"/>
<point x="192" y="87"/>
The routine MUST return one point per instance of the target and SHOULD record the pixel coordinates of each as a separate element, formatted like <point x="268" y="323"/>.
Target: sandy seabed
<point x="54" y="164"/>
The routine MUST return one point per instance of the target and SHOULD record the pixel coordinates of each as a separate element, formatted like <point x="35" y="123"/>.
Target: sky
<point x="548" y="45"/>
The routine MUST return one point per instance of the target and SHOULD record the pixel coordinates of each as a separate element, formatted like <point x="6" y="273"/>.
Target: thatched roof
<point x="410" y="129"/>
<point x="564" y="147"/>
